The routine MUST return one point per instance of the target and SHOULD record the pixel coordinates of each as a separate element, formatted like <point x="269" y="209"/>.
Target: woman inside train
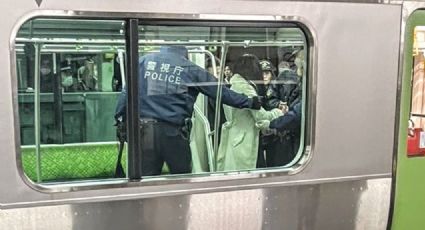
<point x="239" y="143"/>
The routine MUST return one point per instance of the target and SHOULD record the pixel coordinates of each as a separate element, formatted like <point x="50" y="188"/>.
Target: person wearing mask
<point x="292" y="80"/>
<point x="87" y="76"/>
<point x="284" y="66"/>
<point x="288" y="126"/>
<point x="289" y="86"/>
<point x="46" y="76"/>
<point x="168" y="87"/>
<point x="68" y="81"/>
<point x="239" y="143"/>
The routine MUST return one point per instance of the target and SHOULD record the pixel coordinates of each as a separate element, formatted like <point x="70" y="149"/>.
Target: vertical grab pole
<point x="37" y="110"/>
<point x="122" y="70"/>
<point x="133" y="124"/>
<point x="57" y="101"/>
<point x="211" y="153"/>
<point x="224" y="49"/>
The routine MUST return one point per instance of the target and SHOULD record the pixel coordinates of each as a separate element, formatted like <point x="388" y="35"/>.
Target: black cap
<point x="267" y="66"/>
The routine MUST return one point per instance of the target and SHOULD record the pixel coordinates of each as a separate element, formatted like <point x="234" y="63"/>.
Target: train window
<point x="197" y="87"/>
<point x="69" y="75"/>
<point x="224" y="98"/>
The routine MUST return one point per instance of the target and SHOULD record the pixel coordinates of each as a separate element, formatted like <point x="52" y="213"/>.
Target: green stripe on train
<point x="409" y="203"/>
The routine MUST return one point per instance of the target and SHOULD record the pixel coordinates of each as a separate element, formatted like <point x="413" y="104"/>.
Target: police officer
<point x="46" y="76"/>
<point x="69" y="81"/>
<point x="168" y="87"/>
<point x="272" y="99"/>
<point x="288" y="128"/>
<point x="283" y="146"/>
<point x="269" y="142"/>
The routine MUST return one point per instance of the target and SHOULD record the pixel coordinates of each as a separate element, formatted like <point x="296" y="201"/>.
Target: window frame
<point x="302" y="158"/>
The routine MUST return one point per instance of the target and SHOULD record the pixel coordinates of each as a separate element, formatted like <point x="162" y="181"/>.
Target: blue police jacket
<point x="169" y="84"/>
<point x="290" y="121"/>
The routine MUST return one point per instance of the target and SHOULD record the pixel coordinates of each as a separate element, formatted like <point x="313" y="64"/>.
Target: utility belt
<point x="184" y="130"/>
<point x="278" y="137"/>
<point x="147" y="125"/>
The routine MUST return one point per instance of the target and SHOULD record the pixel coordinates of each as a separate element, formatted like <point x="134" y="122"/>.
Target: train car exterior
<point x="353" y="172"/>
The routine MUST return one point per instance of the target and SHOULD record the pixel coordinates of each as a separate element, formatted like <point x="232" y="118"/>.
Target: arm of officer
<point x="208" y="86"/>
<point x="289" y="121"/>
<point x="260" y="114"/>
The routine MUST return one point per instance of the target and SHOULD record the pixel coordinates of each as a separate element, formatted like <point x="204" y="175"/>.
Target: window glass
<point x="211" y="98"/>
<point x="199" y="92"/>
<point x="69" y="75"/>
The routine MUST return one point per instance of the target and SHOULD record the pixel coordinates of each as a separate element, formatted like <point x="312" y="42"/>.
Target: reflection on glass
<point x="198" y="91"/>
<point x="78" y="92"/>
<point x="192" y="94"/>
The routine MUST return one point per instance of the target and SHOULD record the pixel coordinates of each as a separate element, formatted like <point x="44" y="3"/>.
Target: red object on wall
<point x="416" y="142"/>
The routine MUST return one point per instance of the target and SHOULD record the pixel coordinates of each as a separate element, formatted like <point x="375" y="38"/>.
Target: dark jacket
<point x="291" y="121"/>
<point x="169" y="84"/>
<point x="272" y="98"/>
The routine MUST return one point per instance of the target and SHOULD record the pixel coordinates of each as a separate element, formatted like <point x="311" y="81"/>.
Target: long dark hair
<point x="248" y="66"/>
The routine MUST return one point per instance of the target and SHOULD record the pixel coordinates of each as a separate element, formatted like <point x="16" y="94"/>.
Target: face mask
<point x="44" y="71"/>
<point x="67" y="81"/>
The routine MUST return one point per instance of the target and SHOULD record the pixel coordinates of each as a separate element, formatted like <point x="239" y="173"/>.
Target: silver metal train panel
<point x="354" y="76"/>
<point x="346" y="205"/>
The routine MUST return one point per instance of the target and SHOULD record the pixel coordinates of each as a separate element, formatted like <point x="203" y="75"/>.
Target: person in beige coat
<point x="238" y="148"/>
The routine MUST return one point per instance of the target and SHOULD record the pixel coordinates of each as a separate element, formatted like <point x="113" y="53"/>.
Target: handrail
<point x="207" y="128"/>
<point x="37" y="110"/>
<point x="218" y="103"/>
<point x="246" y="43"/>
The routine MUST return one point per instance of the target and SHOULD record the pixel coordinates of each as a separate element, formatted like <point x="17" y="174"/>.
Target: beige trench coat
<point x="239" y="141"/>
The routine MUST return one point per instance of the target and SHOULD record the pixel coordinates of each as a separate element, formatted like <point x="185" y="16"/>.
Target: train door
<point x="333" y="181"/>
<point x="409" y="199"/>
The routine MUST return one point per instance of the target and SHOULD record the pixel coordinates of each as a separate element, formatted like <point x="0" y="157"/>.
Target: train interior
<point x="70" y="73"/>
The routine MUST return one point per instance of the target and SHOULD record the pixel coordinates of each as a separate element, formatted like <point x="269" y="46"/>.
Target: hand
<point x="257" y="102"/>
<point x="268" y="132"/>
<point x="284" y="107"/>
<point x="263" y="124"/>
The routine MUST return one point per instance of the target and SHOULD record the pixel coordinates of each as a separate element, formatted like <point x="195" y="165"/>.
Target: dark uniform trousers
<point x="279" y="149"/>
<point x="282" y="149"/>
<point x="164" y="142"/>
